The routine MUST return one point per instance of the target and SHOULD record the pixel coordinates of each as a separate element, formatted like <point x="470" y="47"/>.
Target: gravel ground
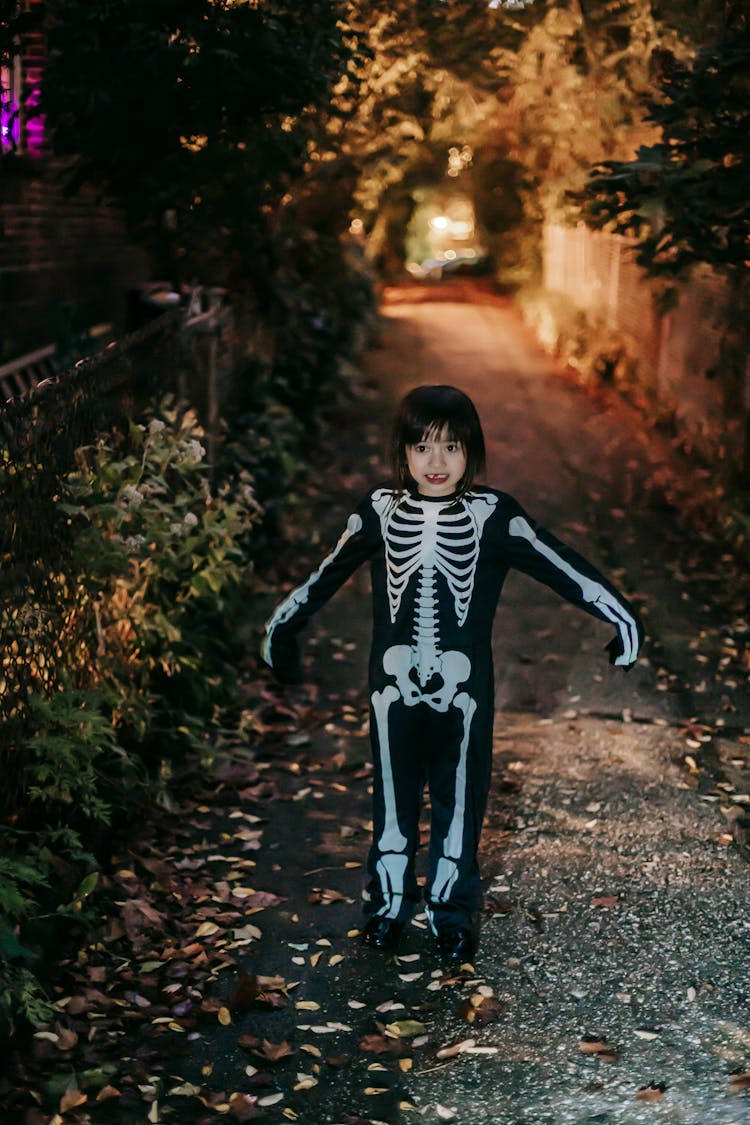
<point x="612" y="980"/>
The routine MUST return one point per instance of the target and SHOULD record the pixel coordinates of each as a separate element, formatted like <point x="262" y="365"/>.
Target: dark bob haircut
<point x="428" y="411"/>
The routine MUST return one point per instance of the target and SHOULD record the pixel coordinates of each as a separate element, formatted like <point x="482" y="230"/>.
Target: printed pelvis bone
<point x="453" y="668"/>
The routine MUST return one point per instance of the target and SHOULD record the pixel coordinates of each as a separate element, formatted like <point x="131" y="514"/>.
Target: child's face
<point x="436" y="463"/>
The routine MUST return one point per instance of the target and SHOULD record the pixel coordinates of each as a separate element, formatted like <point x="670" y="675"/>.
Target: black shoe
<point x="382" y="933"/>
<point x="457" y="947"/>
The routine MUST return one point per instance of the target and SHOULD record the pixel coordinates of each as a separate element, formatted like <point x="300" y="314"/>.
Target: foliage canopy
<point x="191" y="114"/>
<point x="685" y="197"/>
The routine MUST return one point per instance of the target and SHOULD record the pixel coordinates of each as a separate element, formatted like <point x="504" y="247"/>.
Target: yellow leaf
<point x="107" y="1092"/>
<point x="376" y="1090"/>
<point x="404" y="1029"/>
<point x="306" y="1084"/>
<point x="206" y="929"/>
<point x="455" y="1049"/>
<point x="307" y="1005"/>
<point x="224" y="1016"/>
<point x="406" y="1064"/>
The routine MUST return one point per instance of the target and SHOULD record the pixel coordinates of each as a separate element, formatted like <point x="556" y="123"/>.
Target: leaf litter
<point x="178" y="954"/>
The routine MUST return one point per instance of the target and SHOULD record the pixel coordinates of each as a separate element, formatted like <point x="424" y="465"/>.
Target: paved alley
<point x="611" y="985"/>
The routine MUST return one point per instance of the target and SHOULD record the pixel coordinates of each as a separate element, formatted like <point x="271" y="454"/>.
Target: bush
<point x="160" y="563"/>
<point x="164" y="561"/>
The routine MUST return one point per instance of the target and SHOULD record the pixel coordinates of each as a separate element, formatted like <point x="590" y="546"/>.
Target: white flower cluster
<point x="193" y="451"/>
<point x="135" y="542"/>
<point x="155" y="426"/>
<point x="131" y="496"/>
<point x="190" y="520"/>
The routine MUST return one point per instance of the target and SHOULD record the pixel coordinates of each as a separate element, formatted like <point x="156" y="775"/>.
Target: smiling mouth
<point x="437" y="478"/>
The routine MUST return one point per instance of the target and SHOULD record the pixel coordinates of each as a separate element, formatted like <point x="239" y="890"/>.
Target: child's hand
<point x="287" y="663"/>
<point x="616" y="650"/>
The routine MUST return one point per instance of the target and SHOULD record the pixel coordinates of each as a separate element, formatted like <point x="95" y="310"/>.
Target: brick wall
<point x="59" y="255"/>
<point x="59" y="258"/>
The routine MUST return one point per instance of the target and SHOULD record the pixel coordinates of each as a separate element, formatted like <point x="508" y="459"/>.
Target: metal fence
<point x="677" y="353"/>
<point x="189" y="354"/>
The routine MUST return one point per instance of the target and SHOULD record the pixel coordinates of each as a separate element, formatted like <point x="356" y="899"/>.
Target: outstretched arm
<point x="539" y="554"/>
<point x="280" y="647"/>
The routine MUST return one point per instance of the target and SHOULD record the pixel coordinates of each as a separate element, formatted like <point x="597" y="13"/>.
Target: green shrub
<point x="163" y="560"/>
<point x="143" y="664"/>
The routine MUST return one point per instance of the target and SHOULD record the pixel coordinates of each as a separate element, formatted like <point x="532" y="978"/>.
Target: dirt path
<point x="611" y="985"/>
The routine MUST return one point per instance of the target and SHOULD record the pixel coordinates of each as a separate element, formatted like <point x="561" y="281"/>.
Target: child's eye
<point x="420" y="448"/>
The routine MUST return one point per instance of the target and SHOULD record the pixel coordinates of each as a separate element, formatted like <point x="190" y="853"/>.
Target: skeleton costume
<point x="438" y="565"/>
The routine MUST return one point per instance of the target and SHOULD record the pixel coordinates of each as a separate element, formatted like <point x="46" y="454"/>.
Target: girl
<point x="439" y="547"/>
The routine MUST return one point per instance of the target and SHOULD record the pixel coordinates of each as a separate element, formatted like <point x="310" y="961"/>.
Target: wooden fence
<point x="677" y="354"/>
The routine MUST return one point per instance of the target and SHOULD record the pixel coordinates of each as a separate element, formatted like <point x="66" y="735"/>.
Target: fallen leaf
<point x="224" y="1016"/>
<point x="480" y="1009"/>
<point x="107" y="1092"/>
<point x="325" y="896"/>
<point x="270" y="1099"/>
<point x="305" y="1082"/>
<point x="405" y="1029"/>
<point x="67" y="1039"/>
<point x="247" y="933"/>
<point x="379" y="1044"/>
<point x="185" y="1090"/>
<point x="274" y="1052"/>
<point x="454" y="1049"/>
<point x="606" y="901"/>
<point x="207" y="929"/>
<point x="71" y="1098"/>
<point x="498" y="904"/>
<point x="244" y="1107"/>
<point x="592" y="1044"/>
<point x="651" y="1093"/>
<point x="246" y="992"/>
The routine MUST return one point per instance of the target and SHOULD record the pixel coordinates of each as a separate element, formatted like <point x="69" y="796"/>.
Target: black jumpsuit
<point x="438" y="565"/>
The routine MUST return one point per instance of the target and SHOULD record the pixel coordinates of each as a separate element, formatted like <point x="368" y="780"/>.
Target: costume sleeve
<point x="536" y="552"/>
<point x="358" y="541"/>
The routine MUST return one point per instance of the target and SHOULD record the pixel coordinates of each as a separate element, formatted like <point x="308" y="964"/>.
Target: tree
<point x="193" y="115"/>
<point x="685" y="197"/>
